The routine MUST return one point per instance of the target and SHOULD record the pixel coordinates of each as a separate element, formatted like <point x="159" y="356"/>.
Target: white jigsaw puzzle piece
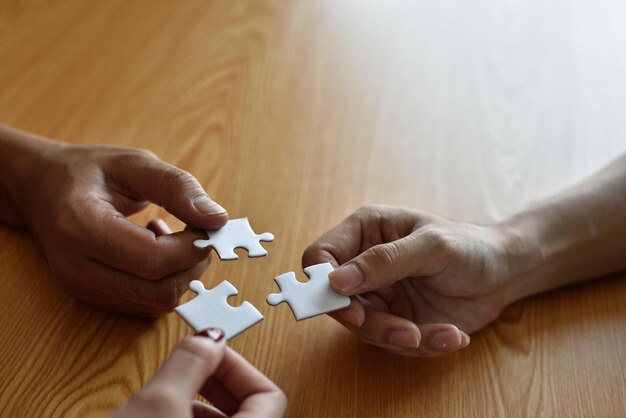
<point x="312" y="298"/>
<point x="211" y="309"/>
<point x="237" y="233"/>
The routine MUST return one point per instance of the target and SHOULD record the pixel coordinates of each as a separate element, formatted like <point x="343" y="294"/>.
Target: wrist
<point x="527" y="258"/>
<point x="21" y="164"/>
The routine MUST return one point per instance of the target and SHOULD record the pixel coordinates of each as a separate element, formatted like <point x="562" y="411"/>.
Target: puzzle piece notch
<point x="237" y="233"/>
<point x="312" y="298"/>
<point x="211" y="309"/>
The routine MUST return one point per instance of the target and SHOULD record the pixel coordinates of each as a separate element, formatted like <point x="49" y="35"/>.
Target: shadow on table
<point x="493" y="375"/>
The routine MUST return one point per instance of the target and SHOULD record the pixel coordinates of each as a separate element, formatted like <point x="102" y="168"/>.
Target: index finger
<point x="365" y="228"/>
<point x="139" y="174"/>
<point x="337" y="246"/>
<point x="255" y="393"/>
<point x="124" y="245"/>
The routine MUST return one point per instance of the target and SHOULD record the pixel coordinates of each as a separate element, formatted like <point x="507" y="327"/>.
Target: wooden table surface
<point x="295" y="114"/>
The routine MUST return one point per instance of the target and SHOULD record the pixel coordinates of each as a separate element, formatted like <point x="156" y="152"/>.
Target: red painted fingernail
<point x="215" y="334"/>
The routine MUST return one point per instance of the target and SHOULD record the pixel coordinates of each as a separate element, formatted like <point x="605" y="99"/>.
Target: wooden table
<point x="295" y="114"/>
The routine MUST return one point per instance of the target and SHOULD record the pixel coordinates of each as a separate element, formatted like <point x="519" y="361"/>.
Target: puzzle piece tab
<point x="210" y="309"/>
<point x="237" y="233"/>
<point x="312" y="298"/>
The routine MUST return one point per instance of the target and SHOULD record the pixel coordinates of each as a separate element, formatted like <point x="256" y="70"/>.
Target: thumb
<point x="146" y="177"/>
<point x="191" y="363"/>
<point x="382" y="265"/>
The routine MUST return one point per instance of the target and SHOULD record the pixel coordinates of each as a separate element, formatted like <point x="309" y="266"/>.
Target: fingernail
<point x="465" y="339"/>
<point x="207" y="206"/>
<point x="163" y="225"/>
<point x="346" y="278"/>
<point x="215" y="334"/>
<point x="445" y="339"/>
<point x="406" y="339"/>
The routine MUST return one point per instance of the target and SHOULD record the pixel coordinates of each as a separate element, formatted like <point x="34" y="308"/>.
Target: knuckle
<point x="164" y="296"/>
<point x="64" y="225"/>
<point x="385" y="254"/>
<point x="108" y="242"/>
<point x="311" y="253"/>
<point x="370" y="210"/>
<point x="320" y="252"/>
<point x="377" y="208"/>
<point x="367" y="215"/>
<point x="176" y="178"/>
<point x="363" y="211"/>
<point x="437" y="241"/>
<point x="134" y="156"/>
<point x="440" y="246"/>
<point x="155" y="268"/>
<point x="147" y="154"/>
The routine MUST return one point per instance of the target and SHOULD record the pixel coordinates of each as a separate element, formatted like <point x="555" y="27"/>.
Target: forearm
<point x="577" y="235"/>
<point x="19" y="153"/>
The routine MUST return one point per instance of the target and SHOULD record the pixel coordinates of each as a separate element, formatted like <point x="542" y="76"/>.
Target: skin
<point x="420" y="283"/>
<point x="74" y="199"/>
<point x="200" y="365"/>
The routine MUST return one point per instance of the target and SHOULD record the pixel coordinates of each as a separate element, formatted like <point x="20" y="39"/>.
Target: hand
<point x="206" y="366"/>
<point x="419" y="283"/>
<point x="75" y="200"/>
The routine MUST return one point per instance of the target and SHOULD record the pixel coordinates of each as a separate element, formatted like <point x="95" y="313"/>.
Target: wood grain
<point x="295" y="114"/>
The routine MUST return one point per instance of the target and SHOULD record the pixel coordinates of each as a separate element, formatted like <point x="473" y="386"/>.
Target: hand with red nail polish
<point x="74" y="199"/>
<point x="204" y="365"/>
